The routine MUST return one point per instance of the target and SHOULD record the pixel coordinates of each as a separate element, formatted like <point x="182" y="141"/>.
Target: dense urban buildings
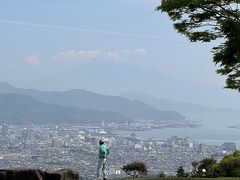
<point x="76" y="147"/>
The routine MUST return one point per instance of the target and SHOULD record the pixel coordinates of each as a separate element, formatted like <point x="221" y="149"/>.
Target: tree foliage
<point x="162" y="175"/>
<point x="135" y="169"/>
<point x="195" y="168"/>
<point x="180" y="172"/>
<point x="206" y="167"/>
<point x="208" y="20"/>
<point x="230" y="165"/>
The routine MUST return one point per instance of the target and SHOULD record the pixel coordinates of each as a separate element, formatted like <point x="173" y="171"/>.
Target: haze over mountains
<point x="21" y="109"/>
<point x="209" y="116"/>
<point x="117" y="76"/>
<point x="80" y="106"/>
<point x="182" y="107"/>
<point x="75" y="105"/>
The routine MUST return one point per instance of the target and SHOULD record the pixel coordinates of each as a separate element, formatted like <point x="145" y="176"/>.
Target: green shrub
<point x="135" y="169"/>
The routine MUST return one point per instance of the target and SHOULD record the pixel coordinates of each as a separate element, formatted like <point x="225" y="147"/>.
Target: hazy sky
<point x="41" y="39"/>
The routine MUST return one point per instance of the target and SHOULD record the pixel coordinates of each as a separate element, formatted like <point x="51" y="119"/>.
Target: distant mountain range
<point x="181" y="107"/>
<point x="110" y="77"/>
<point x="73" y="106"/>
<point x="21" y="109"/>
<point x="207" y="116"/>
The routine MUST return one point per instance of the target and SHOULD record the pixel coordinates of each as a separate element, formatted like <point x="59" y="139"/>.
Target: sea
<point x="214" y="130"/>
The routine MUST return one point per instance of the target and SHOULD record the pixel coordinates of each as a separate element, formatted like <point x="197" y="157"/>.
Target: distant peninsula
<point x="234" y="127"/>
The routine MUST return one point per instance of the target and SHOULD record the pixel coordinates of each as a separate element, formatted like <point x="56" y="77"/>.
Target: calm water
<point x="215" y="130"/>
